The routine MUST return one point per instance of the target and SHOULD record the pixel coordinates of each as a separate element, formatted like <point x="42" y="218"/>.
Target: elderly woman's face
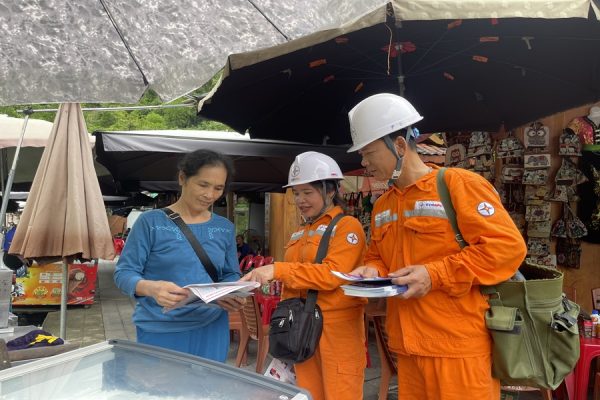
<point x="201" y="190"/>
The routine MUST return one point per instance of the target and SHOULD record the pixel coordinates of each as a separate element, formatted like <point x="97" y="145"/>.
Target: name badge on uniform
<point x="297" y="235"/>
<point x="321" y="229"/>
<point x="383" y="217"/>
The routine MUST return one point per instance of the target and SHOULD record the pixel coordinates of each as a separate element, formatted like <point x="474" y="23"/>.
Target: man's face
<point x="378" y="160"/>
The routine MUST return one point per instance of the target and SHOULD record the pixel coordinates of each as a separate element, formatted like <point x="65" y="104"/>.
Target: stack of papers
<point x="207" y="292"/>
<point x="370" y="287"/>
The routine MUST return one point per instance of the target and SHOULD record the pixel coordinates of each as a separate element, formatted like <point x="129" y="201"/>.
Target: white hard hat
<point x="311" y="167"/>
<point x="379" y="115"/>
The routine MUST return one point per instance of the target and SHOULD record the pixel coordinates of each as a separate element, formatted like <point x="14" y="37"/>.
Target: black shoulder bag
<point x="296" y="324"/>
<point x="208" y="265"/>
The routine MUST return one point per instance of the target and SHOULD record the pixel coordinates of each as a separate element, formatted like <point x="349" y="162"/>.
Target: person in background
<point x="158" y="261"/>
<point x="13" y="261"/>
<point x="243" y="248"/>
<point x="336" y="370"/>
<point x="437" y="326"/>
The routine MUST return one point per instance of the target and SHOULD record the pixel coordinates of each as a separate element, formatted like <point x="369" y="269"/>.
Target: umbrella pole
<point x="2" y="157"/>
<point x="63" y="299"/>
<point x="11" y="178"/>
<point x="395" y="34"/>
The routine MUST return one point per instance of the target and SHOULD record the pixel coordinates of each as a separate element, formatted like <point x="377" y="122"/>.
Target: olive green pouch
<point x="502" y="318"/>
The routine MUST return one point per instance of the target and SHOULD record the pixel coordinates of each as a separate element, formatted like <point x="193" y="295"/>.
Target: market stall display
<point x="41" y="285"/>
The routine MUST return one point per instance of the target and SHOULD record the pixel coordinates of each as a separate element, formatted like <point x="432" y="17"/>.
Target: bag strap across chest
<point x="189" y="235"/>
<point x="311" y="297"/>
<point x="444" y="193"/>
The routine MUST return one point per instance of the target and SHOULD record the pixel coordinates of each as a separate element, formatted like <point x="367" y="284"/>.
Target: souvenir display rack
<point x="523" y="183"/>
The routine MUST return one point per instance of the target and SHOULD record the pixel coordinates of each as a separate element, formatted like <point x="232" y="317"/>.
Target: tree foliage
<point x="152" y="119"/>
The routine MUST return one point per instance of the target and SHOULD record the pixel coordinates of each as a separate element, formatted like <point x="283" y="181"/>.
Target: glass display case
<point x="119" y="369"/>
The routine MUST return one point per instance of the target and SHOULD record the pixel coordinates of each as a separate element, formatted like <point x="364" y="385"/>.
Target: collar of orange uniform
<point x="421" y="183"/>
<point x="328" y="216"/>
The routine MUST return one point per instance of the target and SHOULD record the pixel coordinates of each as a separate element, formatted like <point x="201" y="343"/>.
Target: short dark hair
<point x="191" y="163"/>
<point x="411" y="141"/>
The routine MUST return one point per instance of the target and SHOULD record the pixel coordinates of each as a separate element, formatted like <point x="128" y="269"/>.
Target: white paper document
<point x="358" y="278"/>
<point x="208" y="292"/>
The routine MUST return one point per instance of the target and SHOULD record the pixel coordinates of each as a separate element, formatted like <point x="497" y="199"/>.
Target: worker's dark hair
<point x="331" y="185"/>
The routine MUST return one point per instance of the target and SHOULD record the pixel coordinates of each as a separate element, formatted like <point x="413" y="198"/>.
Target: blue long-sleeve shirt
<point x="157" y="250"/>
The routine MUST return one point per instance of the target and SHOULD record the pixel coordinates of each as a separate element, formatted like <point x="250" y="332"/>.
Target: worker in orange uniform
<point x="336" y="370"/>
<point x="437" y="326"/>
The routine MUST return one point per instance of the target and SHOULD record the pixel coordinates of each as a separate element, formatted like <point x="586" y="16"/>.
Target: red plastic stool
<point x="118" y="244"/>
<point x="589" y="348"/>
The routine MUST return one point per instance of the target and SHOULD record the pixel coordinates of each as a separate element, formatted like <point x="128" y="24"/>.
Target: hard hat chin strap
<point x="398" y="170"/>
<point x="326" y="201"/>
<point x="410" y="132"/>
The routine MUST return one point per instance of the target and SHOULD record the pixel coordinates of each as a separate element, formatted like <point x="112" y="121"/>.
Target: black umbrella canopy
<point x="460" y="75"/>
<point x="147" y="160"/>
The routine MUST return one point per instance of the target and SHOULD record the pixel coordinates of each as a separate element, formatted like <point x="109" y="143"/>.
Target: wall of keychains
<point x="542" y="178"/>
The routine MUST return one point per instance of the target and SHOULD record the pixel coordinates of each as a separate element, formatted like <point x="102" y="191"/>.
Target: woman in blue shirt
<point x="158" y="261"/>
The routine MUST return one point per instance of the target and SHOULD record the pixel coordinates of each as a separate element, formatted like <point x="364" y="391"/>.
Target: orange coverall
<point x="409" y="227"/>
<point x="336" y="370"/>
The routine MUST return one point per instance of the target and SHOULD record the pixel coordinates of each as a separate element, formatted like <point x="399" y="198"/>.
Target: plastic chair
<point x="246" y="263"/>
<point x="258" y="331"/>
<point x="118" y="244"/>
<point x="596" y="306"/>
<point x="258" y="261"/>
<point x="388" y="359"/>
<point x="589" y="349"/>
<point x="269" y="260"/>
<point x="236" y="325"/>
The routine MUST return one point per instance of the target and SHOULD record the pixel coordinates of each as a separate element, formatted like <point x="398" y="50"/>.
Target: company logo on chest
<point x="427" y="208"/>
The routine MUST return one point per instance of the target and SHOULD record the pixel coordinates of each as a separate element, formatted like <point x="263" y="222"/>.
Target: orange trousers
<point x="437" y="378"/>
<point x="337" y="369"/>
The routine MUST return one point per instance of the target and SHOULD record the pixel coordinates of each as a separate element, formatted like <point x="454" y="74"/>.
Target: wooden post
<point x="284" y="220"/>
<point x="230" y="206"/>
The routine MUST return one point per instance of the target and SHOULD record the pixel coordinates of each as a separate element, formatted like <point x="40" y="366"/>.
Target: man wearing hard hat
<point x="437" y="326"/>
